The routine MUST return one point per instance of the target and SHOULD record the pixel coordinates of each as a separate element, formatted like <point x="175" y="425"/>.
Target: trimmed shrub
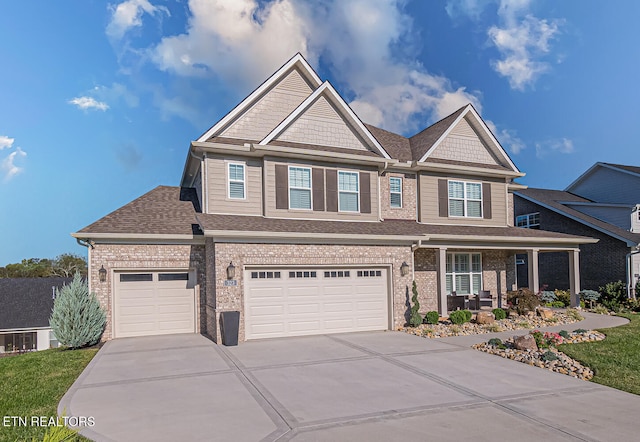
<point x="458" y="317"/>
<point x="548" y="296"/>
<point x="556" y="304"/>
<point x="432" y="317"/>
<point x="564" y="334"/>
<point x="590" y="296"/>
<point x="495" y="342"/>
<point x="467" y="315"/>
<point x="416" y="318"/>
<point x="77" y="319"/>
<point x="523" y="300"/>
<point x="563" y="296"/>
<point x="549" y="356"/>
<point x="499" y="313"/>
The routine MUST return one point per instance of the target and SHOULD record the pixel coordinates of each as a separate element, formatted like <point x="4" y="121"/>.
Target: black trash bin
<point x="230" y="328"/>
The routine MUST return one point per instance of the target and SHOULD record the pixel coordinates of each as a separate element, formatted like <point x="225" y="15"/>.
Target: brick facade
<point x="600" y="263"/>
<point x="409" y="196"/>
<point x="116" y="257"/>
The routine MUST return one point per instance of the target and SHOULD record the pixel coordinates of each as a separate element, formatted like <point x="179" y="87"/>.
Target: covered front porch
<point x="468" y="274"/>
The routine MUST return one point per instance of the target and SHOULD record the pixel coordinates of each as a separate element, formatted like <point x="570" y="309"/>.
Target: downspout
<point x="85" y="243"/>
<point x="629" y="272"/>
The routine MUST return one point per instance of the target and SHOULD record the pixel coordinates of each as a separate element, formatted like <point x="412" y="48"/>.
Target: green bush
<point x="495" y="342"/>
<point x="564" y="334"/>
<point x="555" y="304"/>
<point x="458" y="317"/>
<point x="523" y="300"/>
<point x="589" y="296"/>
<point x="549" y="356"/>
<point x="563" y="296"/>
<point x="580" y="331"/>
<point x="499" y="313"/>
<point x="77" y="319"/>
<point x="574" y="314"/>
<point x="416" y="318"/>
<point x="467" y="315"/>
<point x="432" y="317"/>
<point x="613" y="295"/>
<point x="548" y="296"/>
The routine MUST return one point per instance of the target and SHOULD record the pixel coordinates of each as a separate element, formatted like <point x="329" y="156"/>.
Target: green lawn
<point x="32" y="384"/>
<point x="615" y="361"/>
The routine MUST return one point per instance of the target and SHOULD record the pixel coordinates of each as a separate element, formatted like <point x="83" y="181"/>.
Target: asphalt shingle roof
<point x="634" y="169"/>
<point x="555" y="198"/>
<point x="27" y="302"/>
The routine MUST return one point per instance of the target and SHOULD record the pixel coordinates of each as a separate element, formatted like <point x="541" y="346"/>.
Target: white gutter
<point x="151" y="236"/>
<point x="248" y="235"/>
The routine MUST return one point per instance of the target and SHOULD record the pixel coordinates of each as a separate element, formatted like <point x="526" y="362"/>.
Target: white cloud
<point x="9" y="167"/>
<point x="522" y="39"/>
<point x="115" y="92"/>
<point x="6" y="142"/>
<point x="86" y="103"/>
<point x="560" y="145"/>
<point x="362" y="42"/>
<point x="128" y="14"/>
<point x="508" y="138"/>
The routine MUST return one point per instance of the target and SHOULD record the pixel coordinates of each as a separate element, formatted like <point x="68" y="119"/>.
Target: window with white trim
<point x="348" y="191"/>
<point x="528" y="221"/>
<point x="236" y="180"/>
<point x="464" y="273"/>
<point x="465" y="199"/>
<point x="395" y="190"/>
<point x="299" y="188"/>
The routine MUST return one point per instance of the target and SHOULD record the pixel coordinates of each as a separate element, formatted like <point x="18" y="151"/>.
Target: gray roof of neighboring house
<point x="164" y="211"/>
<point x="27" y="302"/>
<point x="553" y="200"/>
<point x="634" y="169"/>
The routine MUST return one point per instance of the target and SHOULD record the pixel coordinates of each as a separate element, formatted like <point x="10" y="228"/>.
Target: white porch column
<point x="441" y="265"/>
<point x="534" y="279"/>
<point x="574" y="276"/>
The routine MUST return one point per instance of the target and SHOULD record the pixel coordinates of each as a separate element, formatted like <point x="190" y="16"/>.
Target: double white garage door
<point x="296" y="302"/>
<point x="153" y="303"/>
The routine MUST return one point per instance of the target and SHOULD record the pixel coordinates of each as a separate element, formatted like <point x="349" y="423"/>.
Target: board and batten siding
<point x="217" y="175"/>
<point x="271" y="209"/>
<point x="430" y="207"/>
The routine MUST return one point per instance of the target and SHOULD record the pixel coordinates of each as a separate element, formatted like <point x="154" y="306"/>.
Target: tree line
<point x="65" y="265"/>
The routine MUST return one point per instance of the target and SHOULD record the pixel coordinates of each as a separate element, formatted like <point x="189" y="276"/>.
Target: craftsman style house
<point x="601" y="203"/>
<point x="304" y="219"/>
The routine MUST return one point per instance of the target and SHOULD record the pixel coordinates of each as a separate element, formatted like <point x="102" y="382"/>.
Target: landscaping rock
<point x="545" y="313"/>
<point x="526" y="342"/>
<point x="485" y="318"/>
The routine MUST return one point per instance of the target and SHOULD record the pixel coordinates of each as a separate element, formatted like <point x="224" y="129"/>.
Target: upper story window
<point x="528" y="221"/>
<point x="348" y="192"/>
<point x="300" y="188"/>
<point x="236" y="173"/>
<point x="465" y="199"/>
<point x="395" y="188"/>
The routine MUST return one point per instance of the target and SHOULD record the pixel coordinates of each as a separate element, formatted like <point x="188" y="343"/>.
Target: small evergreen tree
<point x="77" y="319"/>
<point x="416" y="318"/>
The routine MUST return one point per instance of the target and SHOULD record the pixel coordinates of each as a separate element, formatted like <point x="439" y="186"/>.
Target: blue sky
<point x="99" y="101"/>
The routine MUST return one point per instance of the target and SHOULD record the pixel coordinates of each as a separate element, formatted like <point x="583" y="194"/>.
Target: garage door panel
<point x="334" y="301"/>
<point x="153" y="305"/>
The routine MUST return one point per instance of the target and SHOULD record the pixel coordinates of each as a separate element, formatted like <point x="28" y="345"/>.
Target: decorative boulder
<point x="526" y="342"/>
<point x="485" y="318"/>
<point x="545" y="313"/>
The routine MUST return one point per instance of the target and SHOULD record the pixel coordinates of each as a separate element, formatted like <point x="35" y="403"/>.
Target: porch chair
<point x="484" y="298"/>
<point x="455" y="302"/>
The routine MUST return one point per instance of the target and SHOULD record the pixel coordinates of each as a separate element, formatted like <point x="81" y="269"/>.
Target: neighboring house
<point x="602" y="203"/>
<point x="25" y="309"/>
<point x="293" y="212"/>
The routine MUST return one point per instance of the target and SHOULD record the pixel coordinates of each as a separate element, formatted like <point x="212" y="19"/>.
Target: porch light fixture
<point x="102" y="273"/>
<point x="404" y="269"/>
<point x="231" y="271"/>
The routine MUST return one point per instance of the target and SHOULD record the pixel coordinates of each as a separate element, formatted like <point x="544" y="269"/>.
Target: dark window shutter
<point x="486" y="200"/>
<point x="282" y="186"/>
<point x="443" y="198"/>
<point x="317" y="176"/>
<point x="332" y="190"/>
<point x="365" y="193"/>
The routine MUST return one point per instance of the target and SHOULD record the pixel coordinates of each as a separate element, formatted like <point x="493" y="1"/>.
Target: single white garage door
<point x="153" y="303"/>
<point x="310" y="301"/>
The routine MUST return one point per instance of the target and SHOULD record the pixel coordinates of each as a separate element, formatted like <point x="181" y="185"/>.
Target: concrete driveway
<point x="378" y="386"/>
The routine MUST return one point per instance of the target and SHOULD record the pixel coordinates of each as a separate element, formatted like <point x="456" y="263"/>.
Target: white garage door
<point x="310" y="301"/>
<point x="153" y="303"/>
